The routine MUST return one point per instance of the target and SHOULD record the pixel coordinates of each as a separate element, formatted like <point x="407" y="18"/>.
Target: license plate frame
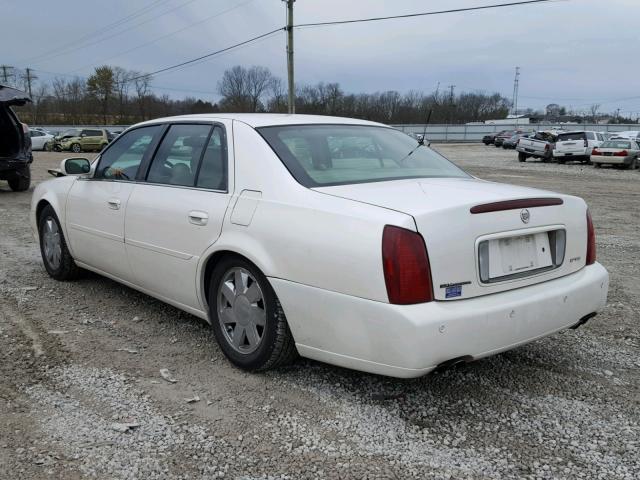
<point x="518" y="255"/>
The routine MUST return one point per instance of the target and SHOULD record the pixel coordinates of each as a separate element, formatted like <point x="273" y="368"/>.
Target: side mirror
<point x="75" y="166"/>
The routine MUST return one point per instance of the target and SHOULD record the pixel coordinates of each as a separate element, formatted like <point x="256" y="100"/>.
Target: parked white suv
<point x="576" y="146"/>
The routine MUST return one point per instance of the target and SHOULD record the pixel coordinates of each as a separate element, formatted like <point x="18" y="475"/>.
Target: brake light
<point x="595" y="151"/>
<point x="622" y="153"/>
<point x="407" y="273"/>
<point x="591" y="240"/>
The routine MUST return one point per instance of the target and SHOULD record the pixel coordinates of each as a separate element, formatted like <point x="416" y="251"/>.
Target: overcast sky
<point x="572" y="52"/>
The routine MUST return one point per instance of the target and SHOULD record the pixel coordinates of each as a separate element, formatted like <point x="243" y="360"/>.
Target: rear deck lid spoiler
<point x="12" y="96"/>
<point x="516" y="204"/>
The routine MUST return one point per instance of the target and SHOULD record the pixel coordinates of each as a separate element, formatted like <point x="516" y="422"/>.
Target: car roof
<point x="257" y="120"/>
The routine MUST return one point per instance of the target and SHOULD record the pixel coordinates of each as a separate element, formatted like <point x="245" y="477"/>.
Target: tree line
<point x="114" y="95"/>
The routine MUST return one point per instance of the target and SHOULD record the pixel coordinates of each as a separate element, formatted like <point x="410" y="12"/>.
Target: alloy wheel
<point x="241" y="310"/>
<point x="52" y="243"/>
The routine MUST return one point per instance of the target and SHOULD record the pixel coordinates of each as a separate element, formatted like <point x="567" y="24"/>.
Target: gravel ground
<point x="81" y="395"/>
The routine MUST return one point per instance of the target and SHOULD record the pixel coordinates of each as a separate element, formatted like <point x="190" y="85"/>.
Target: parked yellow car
<point x="82" y="140"/>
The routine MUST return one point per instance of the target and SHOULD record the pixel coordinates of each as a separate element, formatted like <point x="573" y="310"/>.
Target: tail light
<point x="621" y="153"/>
<point x="595" y="151"/>
<point x="591" y="240"/>
<point x="586" y="142"/>
<point x="407" y="272"/>
<point x="546" y="147"/>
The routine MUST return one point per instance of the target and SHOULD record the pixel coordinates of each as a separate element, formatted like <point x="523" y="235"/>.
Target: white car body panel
<point x="320" y="248"/>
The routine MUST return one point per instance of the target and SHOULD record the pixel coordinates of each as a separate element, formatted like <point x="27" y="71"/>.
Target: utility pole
<point x="290" y="79"/>
<point x="514" y="102"/>
<point x="6" y="73"/>
<point x="29" y="77"/>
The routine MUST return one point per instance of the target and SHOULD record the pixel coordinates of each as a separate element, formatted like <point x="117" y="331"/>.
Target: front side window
<point x="324" y="155"/>
<point x="122" y="159"/>
<point x="177" y="159"/>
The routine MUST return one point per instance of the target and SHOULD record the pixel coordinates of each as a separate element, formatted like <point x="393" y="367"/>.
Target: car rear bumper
<point x="611" y="159"/>
<point x="11" y="164"/>
<point x="412" y="340"/>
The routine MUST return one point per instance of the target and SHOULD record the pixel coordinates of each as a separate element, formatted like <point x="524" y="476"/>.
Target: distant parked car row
<point x="598" y="148"/>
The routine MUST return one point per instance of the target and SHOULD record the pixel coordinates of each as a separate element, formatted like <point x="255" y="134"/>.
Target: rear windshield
<point x="324" y="155"/>
<point x="616" y="144"/>
<point x="567" y="137"/>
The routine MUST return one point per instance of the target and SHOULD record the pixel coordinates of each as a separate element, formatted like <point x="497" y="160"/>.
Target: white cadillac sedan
<point x="340" y="240"/>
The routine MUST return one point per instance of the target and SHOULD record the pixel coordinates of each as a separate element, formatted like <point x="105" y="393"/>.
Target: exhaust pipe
<point x="453" y="362"/>
<point x="583" y="320"/>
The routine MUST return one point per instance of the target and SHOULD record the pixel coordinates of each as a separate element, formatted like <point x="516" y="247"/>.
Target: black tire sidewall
<point x="21" y="180"/>
<point x="258" y="358"/>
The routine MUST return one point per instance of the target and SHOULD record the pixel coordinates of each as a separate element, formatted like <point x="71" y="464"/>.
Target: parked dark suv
<point x="15" y="142"/>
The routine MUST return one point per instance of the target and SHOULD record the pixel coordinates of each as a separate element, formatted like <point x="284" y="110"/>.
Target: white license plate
<point x="514" y="255"/>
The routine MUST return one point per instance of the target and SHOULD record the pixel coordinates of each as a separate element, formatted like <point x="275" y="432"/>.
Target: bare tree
<point x="142" y="84"/>
<point x="593" y="110"/>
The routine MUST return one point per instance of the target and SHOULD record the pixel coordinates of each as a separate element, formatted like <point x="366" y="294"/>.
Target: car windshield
<point x="616" y="144"/>
<point x="70" y="133"/>
<point x="324" y="155"/>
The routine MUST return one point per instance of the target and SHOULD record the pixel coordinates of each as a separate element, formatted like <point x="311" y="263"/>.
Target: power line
<point x="208" y="55"/>
<point x="422" y="14"/>
<point x="103" y="39"/>
<point x="162" y="37"/>
<point x="103" y="29"/>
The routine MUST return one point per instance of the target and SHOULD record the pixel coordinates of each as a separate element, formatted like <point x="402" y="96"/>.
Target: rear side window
<point x="122" y="159"/>
<point x="178" y="158"/>
<point x="567" y="137"/>
<point x="213" y="169"/>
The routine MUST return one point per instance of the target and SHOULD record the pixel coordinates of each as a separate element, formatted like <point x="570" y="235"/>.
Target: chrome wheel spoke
<point x="227" y="316"/>
<point x="252" y="335"/>
<point x="238" y="335"/>
<point x="240" y="282"/>
<point x="258" y="316"/>
<point x="228" y="293"/>
<point x="253" y="293"/>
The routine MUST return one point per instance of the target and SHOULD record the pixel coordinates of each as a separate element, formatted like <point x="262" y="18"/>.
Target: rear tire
<point x="633" y="165"/>
<point x="21" y="180"/>
<point x="597" y="165"/>
<point x="240" y="299"/>
<point x="522" y="157"/>
<point x="53" y="247"/>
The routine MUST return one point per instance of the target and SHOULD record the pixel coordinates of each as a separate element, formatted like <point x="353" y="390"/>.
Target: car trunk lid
<point x="460" y="217"/>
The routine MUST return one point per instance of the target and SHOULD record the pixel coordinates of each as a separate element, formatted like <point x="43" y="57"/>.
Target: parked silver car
<point x="623" y="152"/>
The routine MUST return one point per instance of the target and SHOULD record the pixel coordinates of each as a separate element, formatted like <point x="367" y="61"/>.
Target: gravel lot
<point x="81" y="395"/>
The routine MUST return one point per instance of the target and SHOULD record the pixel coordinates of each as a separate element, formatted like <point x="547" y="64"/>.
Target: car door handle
<point x="198" y="218"/>
<point x="114" y="203"/>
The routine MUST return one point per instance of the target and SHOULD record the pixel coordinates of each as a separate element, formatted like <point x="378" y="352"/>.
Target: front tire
<point x="76" y="148"/>
<point x="21" y="180"/>
<point x="53" y="247"/>
<point x="247" y="318"/>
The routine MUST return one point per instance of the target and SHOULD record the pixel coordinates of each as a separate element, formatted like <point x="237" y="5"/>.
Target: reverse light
<point x="405" y="262"/>
<point x="591" y="240"/>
